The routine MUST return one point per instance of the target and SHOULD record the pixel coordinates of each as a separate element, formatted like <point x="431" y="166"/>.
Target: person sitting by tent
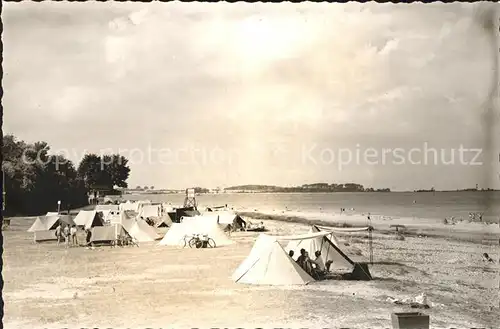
<point x="239" y="223"/>
<point x="58" y="234"/>
<point x="74" y="239"/>
<point x="301" y="258"/>
<point x="310" y="267"/>
<point x="305" y="262"/>
<point x="487" y="258"/>
<point x="320" y="265"/>
<point x="291" y="253"/>
<point x="150" y="221"/>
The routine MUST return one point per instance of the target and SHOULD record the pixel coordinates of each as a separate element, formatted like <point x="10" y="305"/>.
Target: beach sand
<point x="153" y="286"/>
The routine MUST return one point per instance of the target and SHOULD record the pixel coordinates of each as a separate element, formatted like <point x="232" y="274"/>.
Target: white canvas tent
<point x="85" y="216"/>
<point x="44" y="223"/>
<point x="148" y="210"/>
<point x="88" y="219"/>
<point x="140" y="203"/>
<point x="107" y="233"/>
<point x="224" y="216"/>
<point x="52" y="213"/>
<point x="128" y="206"/>
<point x="142" y="232"/>
<point x="269" y="264"/>
<point x="138" y="229"/>
<point x="327" y="244"/>
<point x="102" y="207"/>
<point x="113" y="217"/>
<point x="195" y="225"/>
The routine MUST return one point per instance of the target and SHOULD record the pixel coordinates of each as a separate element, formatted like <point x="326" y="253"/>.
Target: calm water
<point x="427" y="205"/>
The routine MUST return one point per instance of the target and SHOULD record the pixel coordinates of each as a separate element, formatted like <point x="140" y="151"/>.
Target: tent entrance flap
<point x="337" y="249"/>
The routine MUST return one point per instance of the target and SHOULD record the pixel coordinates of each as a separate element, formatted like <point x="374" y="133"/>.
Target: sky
<point x="219" y="94"/>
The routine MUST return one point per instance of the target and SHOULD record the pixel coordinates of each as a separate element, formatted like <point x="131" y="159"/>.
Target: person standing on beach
<point x="74" y="239"/>
<point x="88" y="237"/>
<point x="58" y="234"/>
<point x="66" y="234"/>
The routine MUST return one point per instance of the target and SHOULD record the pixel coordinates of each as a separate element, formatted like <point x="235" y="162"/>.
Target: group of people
<point x="66" y="233"/>
<point x="476" y="216"/>
<point x="314" y="267"/>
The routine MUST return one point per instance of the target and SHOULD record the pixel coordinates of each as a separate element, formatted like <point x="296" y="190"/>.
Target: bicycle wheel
<point x="211" y="243"/>
<point x="193" y="243"/>
<point x="199" y="244"/>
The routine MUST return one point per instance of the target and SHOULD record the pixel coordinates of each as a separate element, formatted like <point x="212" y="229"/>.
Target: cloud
<point x="245" y="77"/>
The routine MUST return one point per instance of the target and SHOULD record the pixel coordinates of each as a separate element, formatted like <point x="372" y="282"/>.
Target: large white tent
<point x="138" y="229"/>
<point x="44" y="223"/>
<point x="128" y="206"/>
<point x="142" y="232"/>
<point x="269" y="264"/>
<point x="139" y="204"/>
<point x="113" y="217"/>
<point x="223" y="216"/>
<point x="89" y="219"/>
<point x="195" y="225"/>
<point x="102" y="207"/>
<point x="150" y="210"/>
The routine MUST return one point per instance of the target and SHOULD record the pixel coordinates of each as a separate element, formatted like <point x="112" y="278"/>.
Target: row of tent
<point x="120" y="225"/>
<point x="108" y="221"/>
<point x="268" y="263"/>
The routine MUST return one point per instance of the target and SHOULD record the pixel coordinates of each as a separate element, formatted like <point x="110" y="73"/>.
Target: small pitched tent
<point x="89" y="219"/>
<point x="44" y="227"/>
<point x="329" y="249"/>
<point x="44" y="223"/>
<point x="142" y="232"/>
<point x="128" y="206"/>
<point x="178" y="213"/>
<point x="66" y="219"/>
<point x="163" y="221"/>
<point x="139" y="204"/>
<point x="148" y="210"/>
<point x="113" y="217"/>
<point x="85" y="216"/>
<point x="269" y="264"/>
<point x="224" y="217"/>
<point x="107" y="234"/>
<point x="195" y="225"/>
<point x="174" y="236"/>
<point x="41" y="236"/>
<point x="102" y="207"/>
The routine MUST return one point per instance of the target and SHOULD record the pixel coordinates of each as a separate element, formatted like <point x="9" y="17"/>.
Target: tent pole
<point x="370" y="239"/>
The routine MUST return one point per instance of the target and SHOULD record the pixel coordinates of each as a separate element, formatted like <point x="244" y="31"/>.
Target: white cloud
<point x="248" y="75"/>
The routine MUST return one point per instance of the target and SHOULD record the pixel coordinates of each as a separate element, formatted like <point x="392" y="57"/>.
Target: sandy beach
<point x="153" y="286"/>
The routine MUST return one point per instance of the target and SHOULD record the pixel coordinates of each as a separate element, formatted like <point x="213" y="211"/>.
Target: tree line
<point x="317" y="187"/>
<point x="35" y="180"/>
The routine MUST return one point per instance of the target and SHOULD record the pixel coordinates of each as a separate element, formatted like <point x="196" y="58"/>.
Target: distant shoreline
<point x="301" y="192"/>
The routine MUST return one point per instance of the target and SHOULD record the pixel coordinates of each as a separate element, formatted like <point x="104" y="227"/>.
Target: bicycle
<point x="199" y="241"/>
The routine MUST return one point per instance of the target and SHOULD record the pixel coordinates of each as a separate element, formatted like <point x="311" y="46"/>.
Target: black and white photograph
<point x="250" y="165"/>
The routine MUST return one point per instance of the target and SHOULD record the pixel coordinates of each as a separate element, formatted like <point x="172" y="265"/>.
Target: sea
<point x="428" y="205"/>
